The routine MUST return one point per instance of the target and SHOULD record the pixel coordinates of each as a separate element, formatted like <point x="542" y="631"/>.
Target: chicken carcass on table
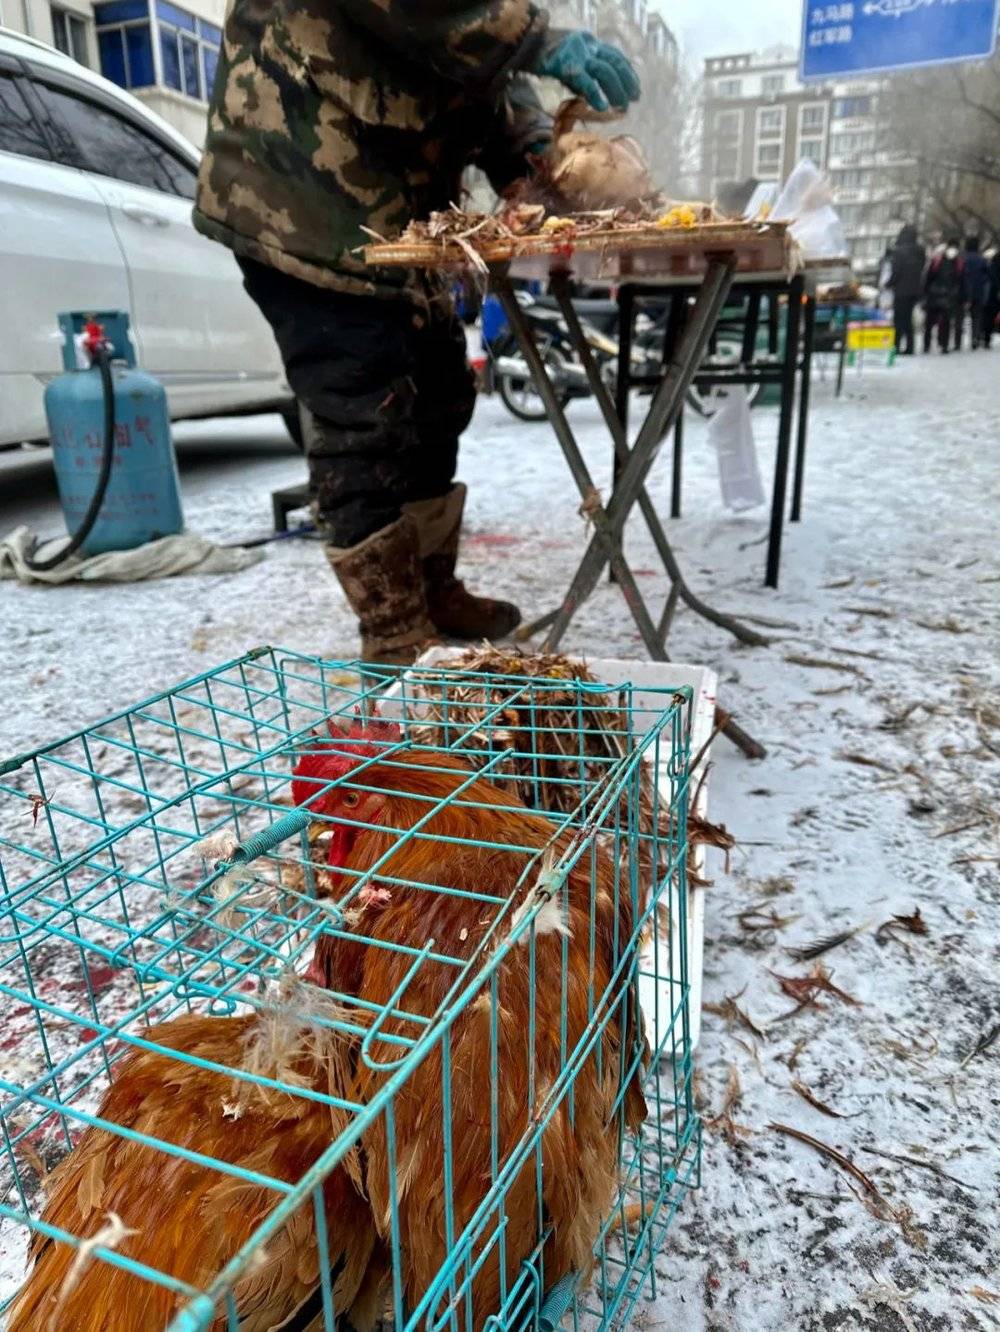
<point x="185" y="1217"/>
<point x="478" y="838"/>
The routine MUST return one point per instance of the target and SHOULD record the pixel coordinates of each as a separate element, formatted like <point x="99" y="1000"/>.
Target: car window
<point x="113" y="146"/>
<point x="20" y="131"/>
<point x="183" y="176"/>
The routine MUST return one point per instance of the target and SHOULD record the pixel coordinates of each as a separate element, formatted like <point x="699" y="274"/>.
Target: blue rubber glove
<point x="590" y="68"/>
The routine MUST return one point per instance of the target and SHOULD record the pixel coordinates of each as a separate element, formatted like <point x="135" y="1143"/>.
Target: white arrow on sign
<point x="895" y="8"/>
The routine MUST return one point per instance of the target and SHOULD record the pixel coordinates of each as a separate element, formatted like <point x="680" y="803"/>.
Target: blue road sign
<point x="875" y="36"/>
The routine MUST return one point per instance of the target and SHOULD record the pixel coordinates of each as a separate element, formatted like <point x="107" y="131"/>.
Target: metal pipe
<point x="803" y="427"/>
<point x="793" y="321"/>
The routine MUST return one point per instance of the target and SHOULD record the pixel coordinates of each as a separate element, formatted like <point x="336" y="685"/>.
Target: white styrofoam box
<point x="656" y="997"/>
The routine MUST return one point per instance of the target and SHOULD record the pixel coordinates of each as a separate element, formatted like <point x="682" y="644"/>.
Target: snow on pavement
<point x="879" y="796"/>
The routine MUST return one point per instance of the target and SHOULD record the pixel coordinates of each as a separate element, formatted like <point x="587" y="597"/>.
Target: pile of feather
<point x="550" y="742"/>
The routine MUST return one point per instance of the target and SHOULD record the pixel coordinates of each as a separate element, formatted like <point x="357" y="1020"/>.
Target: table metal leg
<point x="842" y="358"/>
<point x="622" y="456"/>
<point x="663" y="409"/>
<point x="773" y="325"/>
<point x="626" y="324"/>
<point x="798" y="480"/>
<point x="678" y="464"/>
<point x="606" y="545"/>
<point x="750" y="327"/>
<point x="607" y="533"/>
<point x="789" y="371"/>
<point x="623" y="383"/>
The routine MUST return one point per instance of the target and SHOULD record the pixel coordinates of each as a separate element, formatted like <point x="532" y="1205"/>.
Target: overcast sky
<point x="716" y="27"/>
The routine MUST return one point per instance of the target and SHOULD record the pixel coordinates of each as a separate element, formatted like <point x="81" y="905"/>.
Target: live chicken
<point x="471" y="836"/>
<point x="187" y="1219"/>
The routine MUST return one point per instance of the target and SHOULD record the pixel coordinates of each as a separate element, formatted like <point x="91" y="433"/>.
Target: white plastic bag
<point x="730" y="433"/>
<point x="806" y="202"/>
<point x="762" y="200"/>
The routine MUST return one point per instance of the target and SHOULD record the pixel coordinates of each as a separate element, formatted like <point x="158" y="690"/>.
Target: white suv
<point x="95" y="214"/>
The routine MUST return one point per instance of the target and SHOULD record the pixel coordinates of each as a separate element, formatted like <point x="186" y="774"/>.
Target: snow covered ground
<point x="878" y="797"/>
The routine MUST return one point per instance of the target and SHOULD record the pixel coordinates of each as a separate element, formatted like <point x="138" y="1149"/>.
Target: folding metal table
<point x="711" y="256"/>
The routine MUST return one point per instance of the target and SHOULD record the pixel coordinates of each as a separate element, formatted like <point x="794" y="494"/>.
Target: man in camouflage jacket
<point x="331" y="118"/>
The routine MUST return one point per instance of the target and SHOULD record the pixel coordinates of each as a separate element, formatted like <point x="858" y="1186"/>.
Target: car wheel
<point x="518" y="394"/>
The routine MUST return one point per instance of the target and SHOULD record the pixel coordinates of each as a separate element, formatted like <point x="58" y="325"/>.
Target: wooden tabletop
<point x="614" y="255"/>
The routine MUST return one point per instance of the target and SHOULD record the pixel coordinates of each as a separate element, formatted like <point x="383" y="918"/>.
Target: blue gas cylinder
<point x="143" y="500"/>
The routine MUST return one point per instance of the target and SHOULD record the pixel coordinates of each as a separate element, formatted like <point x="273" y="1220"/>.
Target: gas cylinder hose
<point x="101" y="354"/>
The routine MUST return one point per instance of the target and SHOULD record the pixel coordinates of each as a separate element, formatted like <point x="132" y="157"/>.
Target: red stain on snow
<point x="491" y="539"/>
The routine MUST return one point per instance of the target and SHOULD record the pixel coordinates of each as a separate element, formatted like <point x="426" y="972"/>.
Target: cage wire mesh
<point x="375" y="1056"/>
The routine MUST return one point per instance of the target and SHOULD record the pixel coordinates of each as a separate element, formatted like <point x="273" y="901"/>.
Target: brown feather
<point x="189" y="1219"/>
<point x="579" y="1144"/>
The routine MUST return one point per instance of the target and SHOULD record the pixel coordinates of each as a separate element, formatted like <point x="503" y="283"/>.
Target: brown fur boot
<point x="456" y="613"/>
<point x="383" y="581"/>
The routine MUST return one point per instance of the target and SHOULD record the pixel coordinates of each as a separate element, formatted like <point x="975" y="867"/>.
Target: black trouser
<point x="903" y="307"/>
<point x="938" y="317"/>
<point x="389" y="387"/>
<point x="976" y="321"/>
<point x="990" y="312"/>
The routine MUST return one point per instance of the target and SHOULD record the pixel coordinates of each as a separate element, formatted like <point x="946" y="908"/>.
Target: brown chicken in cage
<point x="477" y="863"/>
<point x="186" y="1218"/>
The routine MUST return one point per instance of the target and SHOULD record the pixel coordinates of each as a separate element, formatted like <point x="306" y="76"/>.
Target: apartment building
<point x="760" y="119"/>
<point x="165" y="53"/>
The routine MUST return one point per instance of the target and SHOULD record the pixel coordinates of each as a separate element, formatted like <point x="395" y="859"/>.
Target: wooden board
<point x="648" y="253"/>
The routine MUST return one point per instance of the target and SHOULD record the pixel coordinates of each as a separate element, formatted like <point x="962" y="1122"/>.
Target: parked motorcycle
<point x="599" y="323"/>
<point x="509" y="372"/>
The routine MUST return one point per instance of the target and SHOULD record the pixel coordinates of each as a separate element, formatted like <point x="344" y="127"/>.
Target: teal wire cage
<point x="403" y="1044"/>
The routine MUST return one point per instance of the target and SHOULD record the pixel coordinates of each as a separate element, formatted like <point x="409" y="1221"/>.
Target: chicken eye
<point x="351" y="800"/>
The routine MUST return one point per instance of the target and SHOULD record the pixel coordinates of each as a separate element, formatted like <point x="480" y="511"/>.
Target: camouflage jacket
<point x="330" y="116"/>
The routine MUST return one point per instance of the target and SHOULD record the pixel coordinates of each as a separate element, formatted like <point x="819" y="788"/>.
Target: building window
<point x="846" y="108"/>
<point x="658" y="36"/>
<point x="770" y="149"/>
<point x="640" y="14"/>
<point x="848" y="145"/>
<point x="768" y="159"/>
<point x="727" y="124"/>
<point x="770" y="123"/>
<point x="772" y="84"/>
<point x="69" y="34"/>
<point x="188" y="47"/>
<point x="850" y="179"/>
<point x="812" y="132"/>
<point x="727" y="127"/>
<point x="730" y="87"/>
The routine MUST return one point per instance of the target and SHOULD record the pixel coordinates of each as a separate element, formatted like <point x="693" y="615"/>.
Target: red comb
<point x="327" y="760"/>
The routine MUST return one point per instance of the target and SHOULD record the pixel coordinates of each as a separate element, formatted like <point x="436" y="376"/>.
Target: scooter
<point x="599" y="321"/>
<point x="508" y="373"/>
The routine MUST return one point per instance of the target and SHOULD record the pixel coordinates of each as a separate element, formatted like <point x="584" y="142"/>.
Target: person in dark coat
<point x="906" y="282"/>
<point x="993" y="302"/>
<point x="943" y="295"/>
<point x="975" y="291"/>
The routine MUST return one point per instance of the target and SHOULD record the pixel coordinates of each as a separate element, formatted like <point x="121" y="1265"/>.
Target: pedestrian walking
<point x="992" y="311"/>
<point x="906" y="282"/>
<point x="943" y="295"/>
<point x="975" y="292"/>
